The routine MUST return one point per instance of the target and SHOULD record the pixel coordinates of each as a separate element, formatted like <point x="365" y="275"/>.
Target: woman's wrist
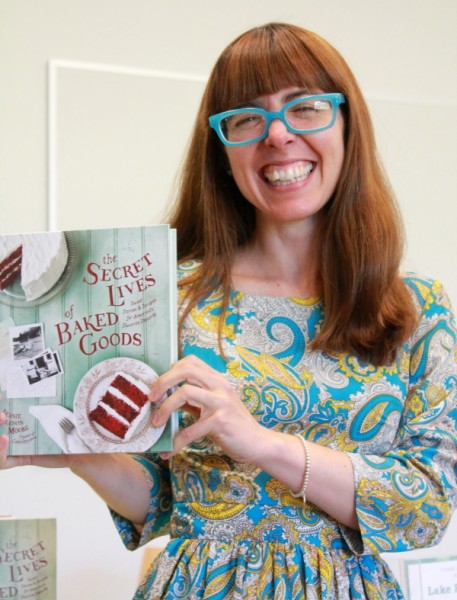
<point x="282" y="456"/>
<point x="304" y="486"/>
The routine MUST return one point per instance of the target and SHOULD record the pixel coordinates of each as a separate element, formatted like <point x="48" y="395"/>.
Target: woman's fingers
<point x="3" y="444"/>
<point x="189" y="434"/>
<point x="191" y="398"/>
<point x="189" y="385"/>
<point x="8" y="462"/>
<point x="3" y="450"/>
<point x="189" y="370"/>
<point x="218" y="411"/>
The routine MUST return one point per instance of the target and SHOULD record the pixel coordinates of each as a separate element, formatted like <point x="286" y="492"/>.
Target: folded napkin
<point x="50" y="417"/>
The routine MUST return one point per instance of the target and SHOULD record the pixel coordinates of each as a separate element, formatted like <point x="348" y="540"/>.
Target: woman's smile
<point x="288" y="174"/>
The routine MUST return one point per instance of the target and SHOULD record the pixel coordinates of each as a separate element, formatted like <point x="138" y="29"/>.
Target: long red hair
<point x="367" y="308"/>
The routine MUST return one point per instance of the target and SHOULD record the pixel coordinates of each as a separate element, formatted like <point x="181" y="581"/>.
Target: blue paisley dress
<point x="237" y="533"/>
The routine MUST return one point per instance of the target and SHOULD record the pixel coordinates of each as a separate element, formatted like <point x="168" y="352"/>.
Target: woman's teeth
<point x="288" y="175"/>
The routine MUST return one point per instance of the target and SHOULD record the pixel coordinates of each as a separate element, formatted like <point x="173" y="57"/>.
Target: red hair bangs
<point x="267" y="59"/>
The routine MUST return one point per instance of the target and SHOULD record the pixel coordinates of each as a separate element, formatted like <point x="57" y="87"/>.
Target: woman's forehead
<point x="239" y="90"/>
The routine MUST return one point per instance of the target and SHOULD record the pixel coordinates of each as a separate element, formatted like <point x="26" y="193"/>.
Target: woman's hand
<point x="7" y="462"/>
<point x="219" y="413"/>
<point x="117" y="478"/>
<point x="221" y="416"/>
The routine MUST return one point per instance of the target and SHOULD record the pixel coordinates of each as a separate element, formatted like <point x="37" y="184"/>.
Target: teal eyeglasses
<point x="307" y="114"/>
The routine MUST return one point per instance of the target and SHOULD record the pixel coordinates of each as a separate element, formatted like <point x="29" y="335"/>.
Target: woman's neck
<point x="277" y="264"/>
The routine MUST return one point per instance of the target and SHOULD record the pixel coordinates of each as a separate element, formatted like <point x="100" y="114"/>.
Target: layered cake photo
<point x="118" y="409"/>
<point x="32" y="264"/>
<point x="111" y="407"/>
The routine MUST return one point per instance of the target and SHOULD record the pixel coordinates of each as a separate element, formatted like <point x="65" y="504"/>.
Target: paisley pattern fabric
<point x="235" y="532"/>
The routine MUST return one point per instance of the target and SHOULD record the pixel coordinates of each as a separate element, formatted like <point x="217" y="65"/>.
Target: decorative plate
<point x="141" y="434"/>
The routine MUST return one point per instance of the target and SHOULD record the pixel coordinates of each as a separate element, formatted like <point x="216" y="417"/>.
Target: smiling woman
<point x="290" y="246"/>
<point x="355" y="244"/>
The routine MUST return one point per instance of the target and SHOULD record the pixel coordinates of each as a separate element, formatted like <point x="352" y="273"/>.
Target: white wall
<point x="85" y="148"/>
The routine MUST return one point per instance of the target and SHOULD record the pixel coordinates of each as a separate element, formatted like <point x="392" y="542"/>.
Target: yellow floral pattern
<point x="236" y="533"/>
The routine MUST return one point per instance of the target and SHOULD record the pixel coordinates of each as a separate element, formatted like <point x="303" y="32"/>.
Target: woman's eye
<point x="304" y="108"/>
<point x="308" y="109"/>
<point x="246" y="120"/>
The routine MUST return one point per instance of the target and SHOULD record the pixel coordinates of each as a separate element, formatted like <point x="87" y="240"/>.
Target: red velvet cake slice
<point x="121" y="407"/>
<point x="109" y="422"/>
<point x="130" y="389"/>
<point x="118" y="409"/>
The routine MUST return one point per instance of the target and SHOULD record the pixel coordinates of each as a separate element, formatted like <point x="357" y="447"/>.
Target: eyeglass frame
<point x="336" y="99"/>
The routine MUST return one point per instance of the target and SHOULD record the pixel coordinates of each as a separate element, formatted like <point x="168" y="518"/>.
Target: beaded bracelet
<point x="302" y="492"/>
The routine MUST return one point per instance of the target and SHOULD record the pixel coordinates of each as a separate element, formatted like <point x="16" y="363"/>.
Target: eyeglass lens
<point x="305" y="115"/>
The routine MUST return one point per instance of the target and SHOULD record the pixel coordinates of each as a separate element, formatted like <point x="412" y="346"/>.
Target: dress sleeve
<point x="405" y="497"/>
<point x="157" y="521"/>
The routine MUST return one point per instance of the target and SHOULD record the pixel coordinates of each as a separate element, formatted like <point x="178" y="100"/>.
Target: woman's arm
<point x="330" y="485"/>
<point x="405" y="498"/>
<point x="117" y="478"/>
<point x="221" y="416"/>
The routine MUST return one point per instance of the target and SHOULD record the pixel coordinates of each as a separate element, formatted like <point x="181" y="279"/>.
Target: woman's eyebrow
<point x="257" y="103"/>
<point x="249" y="104"/>
<point x="287" y="98"/>
<point x="297" y="94"/>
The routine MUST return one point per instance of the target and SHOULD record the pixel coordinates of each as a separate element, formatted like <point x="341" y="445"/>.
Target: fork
<point x="66" y="425"/>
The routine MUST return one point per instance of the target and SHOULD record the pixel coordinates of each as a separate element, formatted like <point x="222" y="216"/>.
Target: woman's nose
<point x="278" y="134"/>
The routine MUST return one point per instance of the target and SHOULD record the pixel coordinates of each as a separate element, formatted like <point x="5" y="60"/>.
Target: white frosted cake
<point x="38" y="258"/>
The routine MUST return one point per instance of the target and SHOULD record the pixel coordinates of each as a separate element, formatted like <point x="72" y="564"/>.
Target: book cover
<point x="28" y="559"/>
<point x="87" y="323"/>
<point x="432" y="578"/>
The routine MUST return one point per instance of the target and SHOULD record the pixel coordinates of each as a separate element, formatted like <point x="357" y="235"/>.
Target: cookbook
<point x="28" y="558"/>
<point x="87" y="323"/>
